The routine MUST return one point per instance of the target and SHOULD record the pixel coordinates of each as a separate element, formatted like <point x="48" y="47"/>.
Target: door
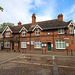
<point x="12" y="46"/>
<point x="1" y="45"/>
<point x="49" y="46"/>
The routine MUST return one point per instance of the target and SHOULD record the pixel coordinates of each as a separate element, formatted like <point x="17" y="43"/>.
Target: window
<point x="60" y="44"/>
<point x="23" y="33"/>
<point x="72" y="42"/>
<point x="37" y="32"/>
<point x="23" y="45"/>
<point x="37" y="44"/>
<point x="61" y="31"/>
<point x="7" y="34"/>
<point x="71" y="30"/>
<point x="7" y="45"/>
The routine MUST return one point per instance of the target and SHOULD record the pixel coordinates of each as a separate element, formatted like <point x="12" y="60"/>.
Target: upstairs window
<point x="7" y="34"/>
<point x="23" y="33"/>
<point x="71" y="30"/>
<point x="61" y="31"/>
<point x="37" y="32"/>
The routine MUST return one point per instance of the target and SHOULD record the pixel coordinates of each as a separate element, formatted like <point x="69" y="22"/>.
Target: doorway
<point x="12" y="46"/>
<point x="49" y="46"/>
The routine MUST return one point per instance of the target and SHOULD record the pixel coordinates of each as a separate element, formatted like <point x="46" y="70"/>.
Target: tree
<point x="1" y="8"/>
<point x="6" y="24"/>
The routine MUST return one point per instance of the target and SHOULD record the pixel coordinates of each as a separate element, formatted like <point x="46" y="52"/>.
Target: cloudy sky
<point x="22" y="10"/>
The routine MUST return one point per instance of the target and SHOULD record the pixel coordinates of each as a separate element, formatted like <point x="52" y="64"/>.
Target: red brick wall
<point x="44" y="38"/>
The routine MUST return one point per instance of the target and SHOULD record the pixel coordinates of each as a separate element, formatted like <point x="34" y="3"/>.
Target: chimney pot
<point x="33" y="19"/>
<point x="19" y="23"/>
<point x="60" y="17"/>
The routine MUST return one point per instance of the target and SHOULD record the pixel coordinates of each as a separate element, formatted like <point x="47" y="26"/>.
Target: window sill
<point x="37" y="35"/>
<point x="60" y="33"/>
<point x="6" y="47"/>
<point x="37" y="48"/>
<point x="60" y="49"/>
<point x="23" y="36"/>
<point x="7" y="37"/>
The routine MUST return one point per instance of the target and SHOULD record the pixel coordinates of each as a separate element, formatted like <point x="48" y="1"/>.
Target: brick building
<point x="51" y="35"/>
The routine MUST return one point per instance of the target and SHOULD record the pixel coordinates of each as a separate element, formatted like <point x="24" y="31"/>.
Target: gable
<point x="71" y="23"/>
<point x="37" y="26"/>
<point x="7" y="29"/>
<point x="23" y="28"/>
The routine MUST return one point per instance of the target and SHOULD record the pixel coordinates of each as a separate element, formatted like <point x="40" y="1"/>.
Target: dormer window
<point x="37" y="32"/>
<point x="7" y="34"/>
<point x="61" y="31"/>
<point x="23" y="33"/>
<point x="71" y="30"/>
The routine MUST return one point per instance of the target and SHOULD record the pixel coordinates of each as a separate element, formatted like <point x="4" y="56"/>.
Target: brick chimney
<point x="33" y="19"/>
<point x="60" y="17"/>
<point x="19" y="23"/>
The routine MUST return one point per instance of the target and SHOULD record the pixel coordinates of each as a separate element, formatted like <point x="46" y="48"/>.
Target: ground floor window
<point x="23" y="45"/>
<point x="7" y="45"/>
<point x="60" y="44"/>
<point x="37" y="44"/>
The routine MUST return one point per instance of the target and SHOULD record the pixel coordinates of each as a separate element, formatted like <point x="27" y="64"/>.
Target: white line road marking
<point x="10" y="59"/>
<point x="42" y="64"/>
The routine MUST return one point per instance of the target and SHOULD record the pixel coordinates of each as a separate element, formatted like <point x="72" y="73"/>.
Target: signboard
<point x="51" y="45"/>
<point x="67" y="44"/>
<point x="32" y="42"/>
<point x="16" y="44"/>
<point x="28" y="43"/>
<point x="44" y="45"/>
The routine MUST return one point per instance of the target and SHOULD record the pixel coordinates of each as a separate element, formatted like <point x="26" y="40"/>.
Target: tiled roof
<point x="50" y="24"/>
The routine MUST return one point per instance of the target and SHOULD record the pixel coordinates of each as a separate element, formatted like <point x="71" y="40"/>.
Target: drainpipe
<point x="19" y="42"/>
<point x="30" y="40"/>
<point x="3" y="41"/>
<point x="53" y="41"/>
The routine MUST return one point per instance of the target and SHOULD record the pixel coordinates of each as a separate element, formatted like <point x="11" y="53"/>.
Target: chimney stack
<point x="60" y="17"/>
<point x="19" y="23"/>
<point x="33" y="19"/>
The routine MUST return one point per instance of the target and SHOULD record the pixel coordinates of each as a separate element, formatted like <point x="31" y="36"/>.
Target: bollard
<point x="71" y="52"/>
<point x="45" y="51"/>
<point x="67" y="51"/>
<point x="25" y="50"/>
<point x="42" y="51"/>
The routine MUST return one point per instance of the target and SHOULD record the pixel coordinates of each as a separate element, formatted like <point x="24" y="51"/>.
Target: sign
<point x="28" y="43"/>
<point x="44" y="45"/>
<point x="67" y="44"/>
<point x="32" y="42"/>
<point x="51" y="45"/>
<point x="16" y="44"/>
<point x="66" y="38"/>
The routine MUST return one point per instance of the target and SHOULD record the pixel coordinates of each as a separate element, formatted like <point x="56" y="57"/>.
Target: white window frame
<point x="37" y="32"/>
<point x="23" y="44"/>
<point x="60" y="42"/>
<point x="61" y="31"/>
<point x="37" y="45"/>
<point x="7" y="34"/>
<point x="71" y="30"/>
<point x="7" y="44"/>
<point x="23" y="33"/>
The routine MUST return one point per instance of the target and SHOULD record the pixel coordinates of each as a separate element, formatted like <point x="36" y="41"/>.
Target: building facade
<point x="52" y="35"/>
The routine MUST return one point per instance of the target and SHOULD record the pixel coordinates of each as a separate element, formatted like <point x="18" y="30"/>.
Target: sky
<point x="22" y="10"/>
